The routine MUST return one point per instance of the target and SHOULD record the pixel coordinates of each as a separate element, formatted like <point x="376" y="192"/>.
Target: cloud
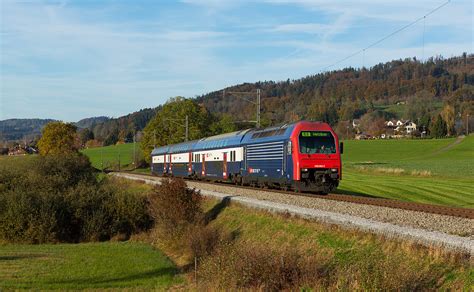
<point x="311" y="28"/>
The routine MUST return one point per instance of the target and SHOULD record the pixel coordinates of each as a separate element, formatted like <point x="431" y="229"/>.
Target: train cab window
<point x="313" y="142"/>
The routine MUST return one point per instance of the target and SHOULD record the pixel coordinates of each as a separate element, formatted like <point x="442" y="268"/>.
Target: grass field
<point x="108" y="156"/>
<point x="437" y="171"/>
<point x="85" y="266"/>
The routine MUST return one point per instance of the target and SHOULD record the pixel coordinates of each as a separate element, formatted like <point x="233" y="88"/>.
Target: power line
<point x="387" y="36"/>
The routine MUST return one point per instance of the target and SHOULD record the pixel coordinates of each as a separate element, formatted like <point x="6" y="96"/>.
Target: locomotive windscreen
<point x="312" y="142"/>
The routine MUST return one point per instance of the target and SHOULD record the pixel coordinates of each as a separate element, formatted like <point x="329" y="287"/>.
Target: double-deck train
<point x="303" y="156"/>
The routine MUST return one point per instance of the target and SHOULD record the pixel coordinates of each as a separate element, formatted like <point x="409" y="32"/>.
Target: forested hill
<point x="122" y="128"/>
<point x="90" y="122"/>
<point x="19" y="129"/>
<point x="349" y="93"/>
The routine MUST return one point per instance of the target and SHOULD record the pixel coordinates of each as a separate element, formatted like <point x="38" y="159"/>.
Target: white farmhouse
<point x="410" y="127"/>
<point x="390" y="124"/>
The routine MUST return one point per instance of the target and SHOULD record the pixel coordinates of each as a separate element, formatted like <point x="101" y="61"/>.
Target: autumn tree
<point x="419" y="105"/>
<point x="438" y="128"/>
<point x="168" y="126"/>
<point x="344" y="130"/>
<point x="373" y="123"/>
<point x="449" y="118"/>
<point x="85" y="135"/>
<point x="58" y="138"/>
<point x="323" y="110"/>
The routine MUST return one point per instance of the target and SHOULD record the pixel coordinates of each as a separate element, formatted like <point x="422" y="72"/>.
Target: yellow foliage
<point x="58" y="138"/>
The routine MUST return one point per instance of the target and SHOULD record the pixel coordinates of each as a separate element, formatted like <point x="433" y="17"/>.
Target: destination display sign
<point x="315" y="134"/>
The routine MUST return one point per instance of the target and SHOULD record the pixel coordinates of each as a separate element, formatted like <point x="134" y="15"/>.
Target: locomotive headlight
<point x="334" y="169"/>
<point x="304" y="169"/>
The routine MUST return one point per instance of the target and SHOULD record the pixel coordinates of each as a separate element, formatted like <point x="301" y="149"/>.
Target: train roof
<point x="160" y="150"/>
<point x="234" y="139"/>
<point x="269" y="134"/>
<point x="220" y="141"/>
<point x="182" y="147"/>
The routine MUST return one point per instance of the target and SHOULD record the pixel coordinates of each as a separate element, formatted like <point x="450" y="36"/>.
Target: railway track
<point x="381" y="202"/>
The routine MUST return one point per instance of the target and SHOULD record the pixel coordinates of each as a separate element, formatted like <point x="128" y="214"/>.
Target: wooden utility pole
<point x="467" y="125"/>
<point x="134" y="152"/>
<point x="258" y="108"/>
<point x="187" y="129"/>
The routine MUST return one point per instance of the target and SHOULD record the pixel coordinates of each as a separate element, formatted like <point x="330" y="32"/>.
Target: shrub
<point x="59" y="199"/>
<point x="254" y="266"/>
<point x="203" y="240"/>
<point x="174" y="206"/>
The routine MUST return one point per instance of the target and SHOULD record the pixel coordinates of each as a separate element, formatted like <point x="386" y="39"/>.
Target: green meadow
<point x="435" y="171"/>
<point x="109" y="156"/>
<point x="86" y="266"/>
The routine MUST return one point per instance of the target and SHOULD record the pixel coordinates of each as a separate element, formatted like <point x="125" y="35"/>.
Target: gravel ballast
<point x="452" y="232"/>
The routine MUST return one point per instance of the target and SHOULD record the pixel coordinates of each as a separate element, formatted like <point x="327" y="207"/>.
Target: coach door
<point x="245" y="157"/>
<point x="171" y="165"/>
<point x="203" y="172"/>
<point x="224" y="166"/>
<point x="190" y="163"/>
<point x="164" y="163"/>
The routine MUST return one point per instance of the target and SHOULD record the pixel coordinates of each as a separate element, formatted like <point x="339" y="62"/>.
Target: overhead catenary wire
<point x="387" y="36"/>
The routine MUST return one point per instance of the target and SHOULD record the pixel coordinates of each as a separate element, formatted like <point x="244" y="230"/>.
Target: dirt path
<point x="446" y="148"/>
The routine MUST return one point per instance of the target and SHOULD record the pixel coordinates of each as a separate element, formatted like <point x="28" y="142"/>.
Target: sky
<point x="70" y="60"/>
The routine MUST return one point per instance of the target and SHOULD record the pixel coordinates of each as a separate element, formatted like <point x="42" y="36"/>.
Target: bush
<point x="254" y="266"/>
<point x="59" y="199"/>
<point x="174" y="206"/>
<point x="203" y="240"/>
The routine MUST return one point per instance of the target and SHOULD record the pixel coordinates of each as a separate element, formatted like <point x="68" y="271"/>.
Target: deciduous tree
<point x="168" y="126"/>
<point x="438" y="128"/>
<point x="58" y="138"/>
<point x="448" y="116"/>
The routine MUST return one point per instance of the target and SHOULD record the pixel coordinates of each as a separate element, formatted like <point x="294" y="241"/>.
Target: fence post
<point x="195" y="270"/>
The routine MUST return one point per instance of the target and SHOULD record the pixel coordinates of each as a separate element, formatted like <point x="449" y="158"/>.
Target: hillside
<point x="19" y="129"/>
<point x="91" y="122"/>
<point x="349" y="93"/>
<point x="124" y="126"/>
<point x="396" y="89"/>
